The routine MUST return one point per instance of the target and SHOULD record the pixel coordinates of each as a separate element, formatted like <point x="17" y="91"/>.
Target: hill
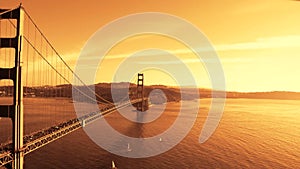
<point x="170" y="94"/>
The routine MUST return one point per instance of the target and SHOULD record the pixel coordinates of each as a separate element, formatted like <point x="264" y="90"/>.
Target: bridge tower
<point x="14" y="111"/>
<point x="143" y="105"/>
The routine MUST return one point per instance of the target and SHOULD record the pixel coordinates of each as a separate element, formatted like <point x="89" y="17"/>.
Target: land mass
<point x="177" y="94"/>
<point x="160" y="95"/>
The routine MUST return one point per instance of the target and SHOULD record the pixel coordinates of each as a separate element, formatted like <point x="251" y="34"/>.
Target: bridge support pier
<point x="14" y="111"/>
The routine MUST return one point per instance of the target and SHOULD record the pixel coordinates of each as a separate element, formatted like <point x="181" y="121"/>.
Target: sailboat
<point x="128" y="147"/>
<point x="113" y="166"/>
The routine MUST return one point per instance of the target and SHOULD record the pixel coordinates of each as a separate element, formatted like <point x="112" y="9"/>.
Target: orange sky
<point x="258" y="42"/>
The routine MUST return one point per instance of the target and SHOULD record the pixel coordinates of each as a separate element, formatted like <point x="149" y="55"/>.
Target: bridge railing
<point x="41" y="138"/>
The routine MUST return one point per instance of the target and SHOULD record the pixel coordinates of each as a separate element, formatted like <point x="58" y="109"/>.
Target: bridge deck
<point x="39" y="139"/>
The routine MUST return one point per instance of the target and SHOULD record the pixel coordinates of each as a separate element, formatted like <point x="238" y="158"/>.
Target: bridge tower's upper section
<point x="143" y="105"/>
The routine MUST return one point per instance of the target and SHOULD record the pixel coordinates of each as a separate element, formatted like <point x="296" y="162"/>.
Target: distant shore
<point x="174" y="93"/>
<point x="170" y="94"/>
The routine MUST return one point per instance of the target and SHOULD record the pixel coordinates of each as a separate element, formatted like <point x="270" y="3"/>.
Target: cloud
<point x="263" y="43"/>
<point x="292" y="41"/>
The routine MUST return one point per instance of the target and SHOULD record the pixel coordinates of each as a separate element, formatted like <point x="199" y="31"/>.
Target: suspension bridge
<point x="36" y="85"/>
